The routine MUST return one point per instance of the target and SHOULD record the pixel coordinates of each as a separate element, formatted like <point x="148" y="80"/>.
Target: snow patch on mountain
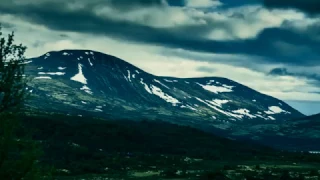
<point x="79" y="77"/>
<point x="129" y="76"/>
<point x="192" y="108"/>
<point x="99" y="110"/>
<point x="218" y="102"/>
<point x="167" y="80"/>
<point x="125" y="77"/>
<point x="219" y="110"/>
<point x="272" y="118"/>
<point x="275" y="110"/>
<point x="216" y="89"/>
<point x="52" y="73"/>
<point x="245" y="112"/>
<point x="227" y="86"/>
<point x="157" y="91"/>
<point x="61" y="68"/>
<point x="90" y="62"/>
<point x="47" y="55"/>
<point x="146" y="87"/>
<point x="188" y="107"/>
<point x="161" y="83"/>
<point x="83" y="102"/>
<point x="260" y="116"/>
<point x="43" y="77"/>
<point x="27" y="62"/>
<point x="86" y="89"/>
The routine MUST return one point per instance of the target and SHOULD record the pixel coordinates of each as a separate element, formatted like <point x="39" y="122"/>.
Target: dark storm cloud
<point x="274" y="44"/>
<point x="63" y="35"/>
<point x="309" y="6"/>
<point x="125" y="4"/>
<point x="54" y="6"/>
<point x="236" y="3"/>
<point x="206" y="69"/>
<point x="280" y="72"/>
<point x="285" y="72"/>
<point x="314" y="78"/>
<point x="176" y="2"/>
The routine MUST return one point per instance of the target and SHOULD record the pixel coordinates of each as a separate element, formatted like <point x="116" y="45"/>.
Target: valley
<point x="93" y="148"/>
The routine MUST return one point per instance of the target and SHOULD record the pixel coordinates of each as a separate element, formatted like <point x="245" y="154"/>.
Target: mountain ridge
<point x="114" y="58"/>
<point x="85" y="82"/>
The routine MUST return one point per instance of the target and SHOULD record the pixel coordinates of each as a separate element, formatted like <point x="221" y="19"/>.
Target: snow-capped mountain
<point x="85" y="82"/>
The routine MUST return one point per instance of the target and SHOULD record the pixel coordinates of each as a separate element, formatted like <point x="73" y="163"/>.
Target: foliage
<point x="169" y="173"/>
<point x="86" y="145"/>
<point x="314" y="172"/>
<point x="214" y="176"/>
<point x="13" y="85"/>
<point x="18" y="154"/>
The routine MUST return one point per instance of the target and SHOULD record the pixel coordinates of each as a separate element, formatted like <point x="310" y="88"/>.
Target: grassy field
<point x="218" y="171"/>
<point x="94" y="149"/>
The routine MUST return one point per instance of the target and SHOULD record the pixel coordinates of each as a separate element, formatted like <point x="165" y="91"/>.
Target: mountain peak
<point x="80" y="55"/>
<point x="83" y="59"/>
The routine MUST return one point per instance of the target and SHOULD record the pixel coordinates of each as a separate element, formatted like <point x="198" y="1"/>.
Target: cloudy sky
<point x="269" y="45"/>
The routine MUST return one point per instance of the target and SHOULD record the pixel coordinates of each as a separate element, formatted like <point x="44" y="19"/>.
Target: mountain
<point x="84" y="82"/>
<point x="303" y="132"/>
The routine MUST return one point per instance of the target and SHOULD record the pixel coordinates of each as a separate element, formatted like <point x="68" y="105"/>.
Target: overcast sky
<point x="269" y="45"/>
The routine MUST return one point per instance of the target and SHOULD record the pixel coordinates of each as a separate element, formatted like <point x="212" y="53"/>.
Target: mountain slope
<point x="83" y="82"/>
<point x="303" y="133"/>
<point x="108" y="80"/>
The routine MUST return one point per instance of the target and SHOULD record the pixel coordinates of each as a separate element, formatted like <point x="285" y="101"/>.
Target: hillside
<point x="101" y="84"/>
<point x="89" y="83"/>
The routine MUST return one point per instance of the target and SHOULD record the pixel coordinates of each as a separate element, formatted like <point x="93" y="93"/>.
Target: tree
<point x="13" y="86"/>
<point x="18" y="155"/>
<point x="314" y="172"/>
<point x="285" y="175"/>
